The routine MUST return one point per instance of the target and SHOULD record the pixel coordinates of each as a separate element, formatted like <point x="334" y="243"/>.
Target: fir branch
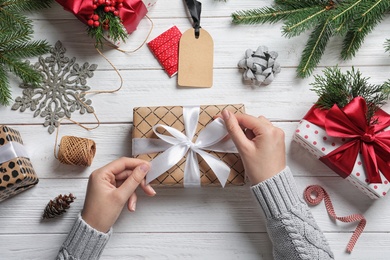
<point x="27" y="49"/>
<point x="282" y="10"/>
<point x="387" y="45"/>
<point x="303" y="21"/>
<point x="351" y="19"/>
<point x="264" y="15"/>
<point x="386" y="89"/>
<point x="340" y="88"/>
<point x="355" y="38"/>
<point x="5" y="92"/>
<point x="14" y="37"/>
<point x="314" y="49"/>
<point x="11" y="20"/>
<point x="23" y="70"/>
<point x="293" y="4"/>
<point x="345" y="11"/>
<point x="16" y="32"/>
<point x="24" y="5"/>
<point x="369" y="15"/>
<point x="97" y="33"/>
<point x="332" y="88"/>
<point x="116" y="30"/>
<point x="376" y="7"/>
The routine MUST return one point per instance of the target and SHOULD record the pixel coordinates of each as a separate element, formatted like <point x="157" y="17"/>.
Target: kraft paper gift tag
<point x="196" y="53"/>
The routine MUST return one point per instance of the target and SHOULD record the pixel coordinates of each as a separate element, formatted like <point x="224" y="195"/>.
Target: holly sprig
<point x="106" y="21"/>
<point x="336" y="87"/>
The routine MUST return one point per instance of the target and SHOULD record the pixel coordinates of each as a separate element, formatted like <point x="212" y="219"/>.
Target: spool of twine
<point x="81" y="151"/>
<point x="76" y="151"/>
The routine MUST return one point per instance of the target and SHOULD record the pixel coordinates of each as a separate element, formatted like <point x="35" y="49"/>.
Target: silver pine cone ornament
<point x="58" y="206"/>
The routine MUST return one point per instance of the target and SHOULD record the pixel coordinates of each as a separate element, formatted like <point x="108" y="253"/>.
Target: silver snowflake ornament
<point x="62" y="90"/>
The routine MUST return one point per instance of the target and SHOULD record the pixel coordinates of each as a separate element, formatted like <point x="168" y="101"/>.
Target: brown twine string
<point x="81" y="151"/>
<point x="76" y="150"/>
<point x="142" y="44"/>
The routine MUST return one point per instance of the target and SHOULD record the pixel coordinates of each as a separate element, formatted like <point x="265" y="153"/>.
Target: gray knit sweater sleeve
<point x="83" y="242"/>
<point x="290" y="224"/>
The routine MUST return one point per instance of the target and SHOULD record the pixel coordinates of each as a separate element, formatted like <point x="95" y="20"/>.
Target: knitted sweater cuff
<point x="277" y="195"/>
<point x="85" y="242"/>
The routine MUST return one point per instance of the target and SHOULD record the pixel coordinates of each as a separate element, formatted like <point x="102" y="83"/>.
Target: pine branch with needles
<point x="336" y="87"/>
<point x="16" y="44"/>
<point x="351" y="19"/>
<point x="387" y="45"/>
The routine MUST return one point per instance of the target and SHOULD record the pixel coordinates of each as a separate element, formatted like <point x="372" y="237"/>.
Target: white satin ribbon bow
<point x="176" y="145"/>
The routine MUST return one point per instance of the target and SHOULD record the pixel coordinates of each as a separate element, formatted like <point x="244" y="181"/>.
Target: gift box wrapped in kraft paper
<point x="187" y="146"/>
<point x="16" y="172"/>
<point x="342" y="139"/>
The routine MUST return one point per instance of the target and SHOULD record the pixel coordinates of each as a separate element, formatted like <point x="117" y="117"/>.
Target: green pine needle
<point x="27" y="49"/>
<point x="262" y="15"/>
<point x="16" y="32"/>
<point x="24" y="5"/>
<point x="314" y="49"/>
<point x="5" y="92"/>
<point x="355" y="38"/>
<point x="340" y="88"/>
<point x="23" y="70"/>
<point x="116" y="31"/>
<point x="351" y="19"/>
<point x="15" y="37"/>
<point x="10" y="19"/>
<point x="368" y="16"/>
<point x="300" y="22"/>
<point x="387" y="45"/>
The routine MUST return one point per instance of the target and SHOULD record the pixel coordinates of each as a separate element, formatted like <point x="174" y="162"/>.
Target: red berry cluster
<point x="112" y="6"/>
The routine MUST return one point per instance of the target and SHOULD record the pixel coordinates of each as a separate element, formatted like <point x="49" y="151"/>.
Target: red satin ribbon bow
<point x="131" y="13"/>
<point x="350" y="123"/>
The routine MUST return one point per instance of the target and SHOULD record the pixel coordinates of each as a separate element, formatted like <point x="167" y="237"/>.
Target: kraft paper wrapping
<point x="16" y="171"/>
<point x="147" y="117"/>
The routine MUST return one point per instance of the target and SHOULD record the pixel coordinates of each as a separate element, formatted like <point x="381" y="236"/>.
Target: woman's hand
<point x="110" y="187"/>
<point x="260" y="145"/>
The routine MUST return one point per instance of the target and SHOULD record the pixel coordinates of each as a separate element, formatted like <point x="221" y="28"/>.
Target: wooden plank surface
<point x="206" y="223"/>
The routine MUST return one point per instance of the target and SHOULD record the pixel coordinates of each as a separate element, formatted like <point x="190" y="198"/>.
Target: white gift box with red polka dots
<point x="315" y="139"/>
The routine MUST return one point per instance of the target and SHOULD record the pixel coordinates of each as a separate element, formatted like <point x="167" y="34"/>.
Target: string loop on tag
<point x="195" y="8"/>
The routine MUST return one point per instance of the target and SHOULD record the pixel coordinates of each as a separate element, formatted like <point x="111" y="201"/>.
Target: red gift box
<point x="130" y="13"/>
<point x="342" y="139"/>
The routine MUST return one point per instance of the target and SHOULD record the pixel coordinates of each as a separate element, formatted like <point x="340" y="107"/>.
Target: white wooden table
<point x="205" y="223"/>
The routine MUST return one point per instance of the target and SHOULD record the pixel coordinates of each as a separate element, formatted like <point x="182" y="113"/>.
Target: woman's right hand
<point x="260" y="145"/>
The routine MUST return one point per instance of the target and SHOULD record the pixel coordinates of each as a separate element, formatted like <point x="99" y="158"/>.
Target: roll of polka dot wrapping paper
<point x="315" y="139"/>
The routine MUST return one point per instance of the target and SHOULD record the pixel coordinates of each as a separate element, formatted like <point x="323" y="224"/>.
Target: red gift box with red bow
<point x="129" y="12"/>
<point x="355" y="150"/>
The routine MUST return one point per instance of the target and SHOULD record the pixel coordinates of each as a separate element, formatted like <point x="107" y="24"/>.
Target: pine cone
<point x="58" y="206"/>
